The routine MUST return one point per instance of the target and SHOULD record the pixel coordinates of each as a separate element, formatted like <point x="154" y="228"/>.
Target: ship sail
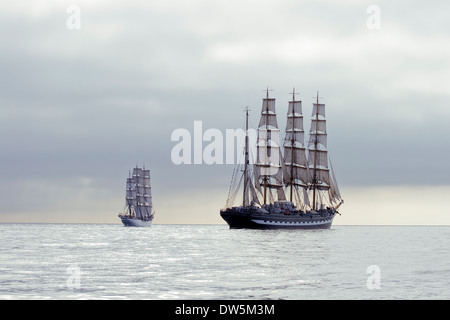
<point x="268" y="162"/>
<point x="295" y="168"/>
<point x="319" y="173"/>
<point x="147" y="196"/>
<point x="143" y="199"/>
<point x="130" y="195"/>
<point x="138" y="182"/>
<point x="251" y="190"/>
<point x="334" y="193"/>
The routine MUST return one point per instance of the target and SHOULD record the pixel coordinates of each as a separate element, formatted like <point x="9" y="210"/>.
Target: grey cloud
<point x="90" y="104"/>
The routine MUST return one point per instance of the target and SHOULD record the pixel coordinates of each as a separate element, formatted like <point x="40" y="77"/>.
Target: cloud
<point x="91" y="103"/>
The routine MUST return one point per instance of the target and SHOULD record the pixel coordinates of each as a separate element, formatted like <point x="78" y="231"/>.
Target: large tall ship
<point x="285" y="188"/>
<point x="138" y="200"/>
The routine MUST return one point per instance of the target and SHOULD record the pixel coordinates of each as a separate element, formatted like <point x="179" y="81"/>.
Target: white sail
<point x="251" y="191"/>
<point x="130" y="195"/>
<point x="254" y="195"/>
<point x="268" y="161"/>
<point x="147" y="194"/>
<point x="319" y="176"/>
<point x="137" y="172"/>
<point x="334" y="193"/>
<point x="295" y="164"/>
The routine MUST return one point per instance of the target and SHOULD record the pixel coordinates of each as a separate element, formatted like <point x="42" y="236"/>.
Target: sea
<point x="209" y="262"/>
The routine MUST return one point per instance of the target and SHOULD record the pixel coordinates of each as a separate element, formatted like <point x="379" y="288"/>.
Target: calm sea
<point x="197" y="262"/>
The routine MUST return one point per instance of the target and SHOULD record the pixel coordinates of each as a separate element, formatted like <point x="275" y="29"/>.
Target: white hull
<point x="321" y="224"/>
<point x="131" y="222"/>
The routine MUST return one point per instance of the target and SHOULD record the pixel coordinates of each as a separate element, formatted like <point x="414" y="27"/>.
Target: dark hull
<point x="240" y="218"/>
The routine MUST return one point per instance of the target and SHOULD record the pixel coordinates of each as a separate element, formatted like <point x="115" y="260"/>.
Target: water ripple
<point x="43" y="261"/>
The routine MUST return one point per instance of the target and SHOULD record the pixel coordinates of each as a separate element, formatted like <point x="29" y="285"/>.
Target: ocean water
<point x="198" y="262"/>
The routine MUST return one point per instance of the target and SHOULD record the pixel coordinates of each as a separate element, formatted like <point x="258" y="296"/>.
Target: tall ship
<point x="138" y="200"/>
<point x="291" y="186"/>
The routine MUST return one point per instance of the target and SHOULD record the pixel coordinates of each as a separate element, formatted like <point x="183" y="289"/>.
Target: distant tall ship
<point x="138" y="200"/>
<point x="301" y="172"/>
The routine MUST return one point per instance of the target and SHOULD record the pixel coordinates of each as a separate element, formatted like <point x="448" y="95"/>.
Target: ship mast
<point x="267" y="141"/>
<point x="314" y="181"/>
<point x="292" y="145"/>
<point x="129" y="192"/>
<point x="246" y="158"/>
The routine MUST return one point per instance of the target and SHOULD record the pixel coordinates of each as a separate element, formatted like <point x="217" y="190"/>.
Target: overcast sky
<point x="81" y="107"/>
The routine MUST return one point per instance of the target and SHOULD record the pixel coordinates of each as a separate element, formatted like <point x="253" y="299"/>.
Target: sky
<point x="90" y="89"/>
